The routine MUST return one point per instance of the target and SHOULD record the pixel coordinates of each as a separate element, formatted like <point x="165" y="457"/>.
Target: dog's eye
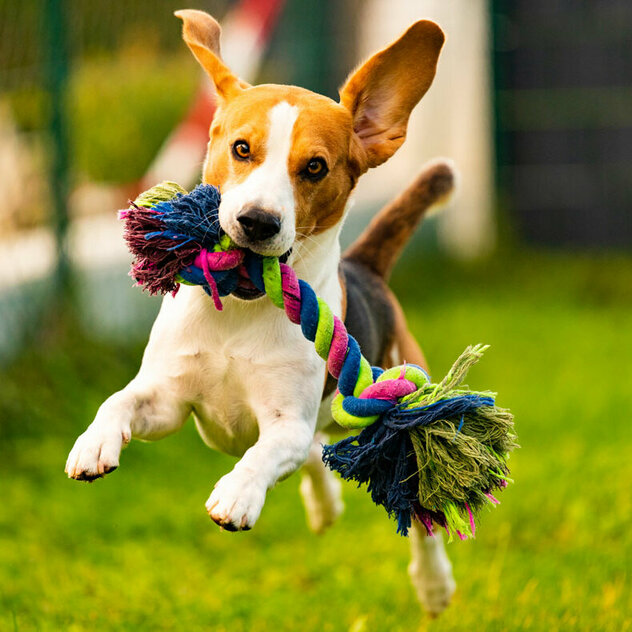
<point x="316" y="169"/>
<point x="241" y="150"/>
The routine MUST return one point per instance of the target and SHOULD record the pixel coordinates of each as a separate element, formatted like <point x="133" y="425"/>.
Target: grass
<point x="137" y="552"/>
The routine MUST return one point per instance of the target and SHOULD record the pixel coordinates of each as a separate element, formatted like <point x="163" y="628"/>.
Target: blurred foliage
<point x="120" y="110"/>
<point x="131" y="79"/>
<point x="94" y="28"/>
<point x="121" y="113"/>
<point x="137" y="551"/>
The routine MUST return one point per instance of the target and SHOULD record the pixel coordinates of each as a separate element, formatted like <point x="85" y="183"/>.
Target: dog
<point x="286" y="161"/>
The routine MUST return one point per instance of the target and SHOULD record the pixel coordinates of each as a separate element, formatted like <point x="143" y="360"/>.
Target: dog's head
<point x="286" y="159"/>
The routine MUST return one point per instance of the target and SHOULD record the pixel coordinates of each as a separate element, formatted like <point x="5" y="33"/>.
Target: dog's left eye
<point x="241" y="150"/>
<point x="316" y="169"/>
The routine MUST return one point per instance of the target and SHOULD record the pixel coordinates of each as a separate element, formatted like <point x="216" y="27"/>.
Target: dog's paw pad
<point x="236" y="502"/>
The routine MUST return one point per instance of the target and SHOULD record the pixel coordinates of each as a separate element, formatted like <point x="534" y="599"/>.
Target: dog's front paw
<point x="96" y="453"/>
<point x="236" y="502"/>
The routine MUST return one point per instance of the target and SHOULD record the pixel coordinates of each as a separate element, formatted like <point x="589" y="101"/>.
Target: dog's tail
<point x="383" y="240"/>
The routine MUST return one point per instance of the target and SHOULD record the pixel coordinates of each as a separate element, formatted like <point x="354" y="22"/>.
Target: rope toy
<point x="432" y="452"/>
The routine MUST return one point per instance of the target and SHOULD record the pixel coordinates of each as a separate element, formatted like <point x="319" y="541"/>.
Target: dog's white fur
<point x="250" y="379"/>
<point x="268" y="186"/>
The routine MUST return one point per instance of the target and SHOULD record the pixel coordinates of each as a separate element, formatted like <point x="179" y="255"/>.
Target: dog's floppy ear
<point x="382" y="92"/>
<point x="201" y="34"/>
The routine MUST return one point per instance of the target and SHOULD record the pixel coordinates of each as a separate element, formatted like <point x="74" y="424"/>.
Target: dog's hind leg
<point x="143" y="411"/>
<point x="320" y="488"/>
<point x="430" y="570"/>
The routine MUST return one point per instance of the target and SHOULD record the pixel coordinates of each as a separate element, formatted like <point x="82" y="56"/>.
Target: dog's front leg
<point x="282" y="447"/>
<point x="144" y="410"/>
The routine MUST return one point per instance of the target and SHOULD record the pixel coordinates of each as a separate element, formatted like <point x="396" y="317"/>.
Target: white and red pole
<point x="246" y="33"/>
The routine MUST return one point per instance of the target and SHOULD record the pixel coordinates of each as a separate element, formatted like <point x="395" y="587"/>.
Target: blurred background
<point x="532" y="100"/>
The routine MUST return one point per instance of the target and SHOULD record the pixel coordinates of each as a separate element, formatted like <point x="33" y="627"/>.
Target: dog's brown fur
<point x="379" y="246"/>
<point x="362" y="131"/>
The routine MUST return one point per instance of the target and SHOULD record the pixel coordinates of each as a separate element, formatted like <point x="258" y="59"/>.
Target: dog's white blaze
<point x="269" y="186"/>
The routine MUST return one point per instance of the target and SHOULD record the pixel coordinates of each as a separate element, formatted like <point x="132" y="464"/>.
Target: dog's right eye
<point x="241" y="150"/>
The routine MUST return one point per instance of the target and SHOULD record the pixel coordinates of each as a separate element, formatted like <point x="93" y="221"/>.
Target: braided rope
<point x="363" y="395"/>
<point x="177" y="239"/>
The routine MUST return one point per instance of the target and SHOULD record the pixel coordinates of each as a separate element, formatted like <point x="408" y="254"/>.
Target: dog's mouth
<point x="246" y="289"/>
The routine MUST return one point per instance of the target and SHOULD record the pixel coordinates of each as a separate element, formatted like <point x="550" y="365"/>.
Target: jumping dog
<point x="286" y="161"/>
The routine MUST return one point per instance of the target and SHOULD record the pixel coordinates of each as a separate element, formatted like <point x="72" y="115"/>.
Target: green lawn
<point x="137" y="552"/>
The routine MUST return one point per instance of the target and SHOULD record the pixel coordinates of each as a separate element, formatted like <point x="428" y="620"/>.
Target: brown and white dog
<point x="286" y="160"/>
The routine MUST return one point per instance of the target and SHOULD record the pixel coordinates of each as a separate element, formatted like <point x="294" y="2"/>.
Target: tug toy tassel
<point x="430" y="452"/>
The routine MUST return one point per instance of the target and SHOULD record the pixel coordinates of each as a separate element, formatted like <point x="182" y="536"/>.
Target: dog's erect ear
<point x="382" y="92"/>
<point x="201" y="34"/>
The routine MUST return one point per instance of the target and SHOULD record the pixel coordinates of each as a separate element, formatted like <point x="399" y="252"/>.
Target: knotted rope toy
<point x="432" y="452"/>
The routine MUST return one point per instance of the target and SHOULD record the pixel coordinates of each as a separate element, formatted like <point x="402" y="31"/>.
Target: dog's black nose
<point x="259" y="225"/>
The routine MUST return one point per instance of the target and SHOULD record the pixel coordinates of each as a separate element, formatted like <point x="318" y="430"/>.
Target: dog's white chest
<point x="221" y="406"/>
<point x="234" y="365"/>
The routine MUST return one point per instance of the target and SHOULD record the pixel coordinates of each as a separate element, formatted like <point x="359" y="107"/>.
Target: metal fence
<point x="564" y="113"/>
<point x="61" y="62"/>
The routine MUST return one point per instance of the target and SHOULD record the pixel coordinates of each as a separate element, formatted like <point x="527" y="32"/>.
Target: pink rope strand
<point x="203" y="259"/>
